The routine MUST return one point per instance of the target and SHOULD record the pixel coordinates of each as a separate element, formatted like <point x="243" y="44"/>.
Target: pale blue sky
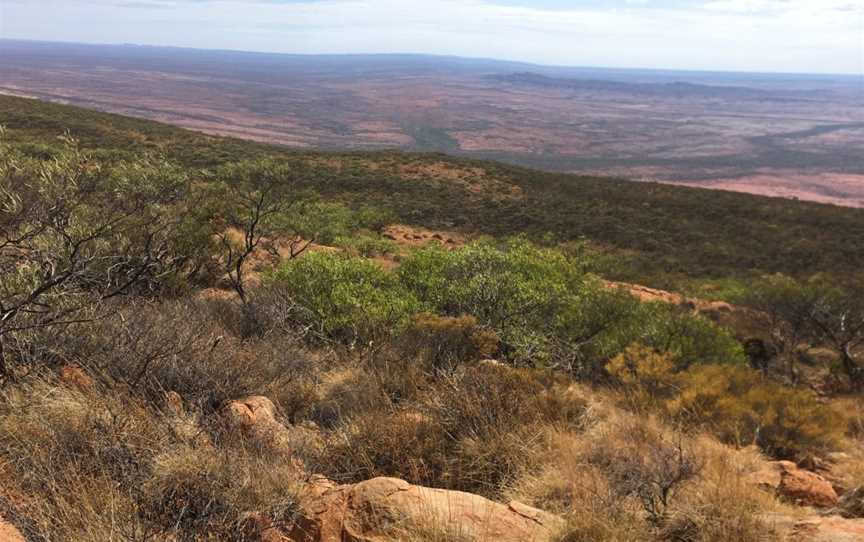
<point x="814" y="36"/>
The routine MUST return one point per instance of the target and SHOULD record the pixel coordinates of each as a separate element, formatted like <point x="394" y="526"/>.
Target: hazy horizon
<point x="819" y="37"/>
<point x="526" y="64"/>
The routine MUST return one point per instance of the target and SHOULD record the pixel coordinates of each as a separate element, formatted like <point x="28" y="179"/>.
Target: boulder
<point x="797" y="485"/>
<point x="255" y="418"/>
<point x="390" y="510"/>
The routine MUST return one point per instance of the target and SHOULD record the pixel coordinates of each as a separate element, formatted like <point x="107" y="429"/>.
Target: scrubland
<point x="189" y="353"/>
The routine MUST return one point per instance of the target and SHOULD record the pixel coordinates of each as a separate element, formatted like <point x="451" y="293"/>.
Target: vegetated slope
<point x="133" y="380"/>
<point x="667" y="232"/>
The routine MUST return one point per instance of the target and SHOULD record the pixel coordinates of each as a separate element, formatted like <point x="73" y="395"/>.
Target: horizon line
<point x="435" y="55"/>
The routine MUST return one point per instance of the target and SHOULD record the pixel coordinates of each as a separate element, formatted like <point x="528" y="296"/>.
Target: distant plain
<point x="794" y="136"/>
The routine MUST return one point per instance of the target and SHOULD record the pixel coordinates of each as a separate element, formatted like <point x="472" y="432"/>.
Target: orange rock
<point x="827" y="529"/>
<point x="388" y="509"/>
<point x="10" y="533"/>
<point x="75" y="376"/>
<point x="798" y="485"/>
<point x="255" y="417"/>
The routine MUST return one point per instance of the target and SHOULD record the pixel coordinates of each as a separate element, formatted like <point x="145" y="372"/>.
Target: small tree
<point x="257" y="199"/>
<point x="836" y="316"/>
<point x="74" y="233"/>
<point x="787" y="306"/>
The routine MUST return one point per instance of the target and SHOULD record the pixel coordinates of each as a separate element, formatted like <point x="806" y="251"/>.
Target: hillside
<point x="207" y="339"/>
<point x="667" y="233"/>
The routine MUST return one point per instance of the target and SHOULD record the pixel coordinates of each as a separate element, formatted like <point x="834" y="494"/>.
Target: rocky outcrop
<point x="797" y="485"/>
<point x="390" y="510"/>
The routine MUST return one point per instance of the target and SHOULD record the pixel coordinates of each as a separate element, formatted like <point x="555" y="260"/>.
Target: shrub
<point x="445" y="341"/>
<point x="154" y="347"/>
<point x="549" y="310"/>
<point x="75" y="455"/>
<point x="474" y="430"/>
<point x="740" y="406"/>
<point x="530" y="296"/>
<point x="325" y="222"/>
<point x="195" y="492"/>
<point x="345" y="298"/>
<point x="737" y="404"/>
<point x="594" y="480"/>
<point x="648" y="376"/>
<point x="723" y="504"/>
<point x="495" y="415"/>
<point x="333" y="223"/>
<point x="650" y="466"/>
<point x="691" y="339"/>
<point x="366" y="245"/>
<point x="404" y="444"/>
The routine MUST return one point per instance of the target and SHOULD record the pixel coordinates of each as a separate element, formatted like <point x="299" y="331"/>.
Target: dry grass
<point x="589" y="478"/>
<point x="472" y="430"/>
<point x="118" y="461"/>
<point x="100" y="466"/>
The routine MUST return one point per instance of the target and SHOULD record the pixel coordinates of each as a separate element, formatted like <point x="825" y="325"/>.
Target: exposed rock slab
<point x="818" y="529"/>
<point x="390" y="510"/>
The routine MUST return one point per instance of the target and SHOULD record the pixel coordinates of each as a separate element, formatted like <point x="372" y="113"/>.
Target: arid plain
<point x="793" y="136"/>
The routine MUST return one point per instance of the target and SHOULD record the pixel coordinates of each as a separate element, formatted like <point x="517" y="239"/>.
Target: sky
<point x="804" y="36"/>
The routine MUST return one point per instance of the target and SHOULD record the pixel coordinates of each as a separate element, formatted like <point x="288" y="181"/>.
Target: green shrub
<point x="346" y="298"/>
<point x="691" y="339"/>
<point x="445" y="341"/>
<point x="366" y="245"/>
<point x="516" y="289"/>
<point x="325" y="222"/>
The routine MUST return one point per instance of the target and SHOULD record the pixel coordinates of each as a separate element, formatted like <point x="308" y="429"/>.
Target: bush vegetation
<point x="172" y="274"/>
<point x="668" y="234"/>
<point x="737" y="404"/>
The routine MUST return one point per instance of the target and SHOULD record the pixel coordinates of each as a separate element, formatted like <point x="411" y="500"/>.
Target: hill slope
<point x="667" y="232"/>
<point x="175" y="349"/>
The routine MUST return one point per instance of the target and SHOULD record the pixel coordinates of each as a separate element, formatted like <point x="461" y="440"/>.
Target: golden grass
<point x="580" y="475"/>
